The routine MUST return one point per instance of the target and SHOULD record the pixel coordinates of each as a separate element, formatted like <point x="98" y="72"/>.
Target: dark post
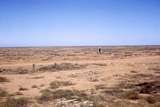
<point x="34" y="68"/>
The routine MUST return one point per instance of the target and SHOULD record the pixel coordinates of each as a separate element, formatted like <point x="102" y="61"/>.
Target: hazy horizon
<point x="32" y="23"/>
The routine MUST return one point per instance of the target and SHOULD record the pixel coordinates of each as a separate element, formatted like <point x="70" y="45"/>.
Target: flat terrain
<point x="127" y="76"/>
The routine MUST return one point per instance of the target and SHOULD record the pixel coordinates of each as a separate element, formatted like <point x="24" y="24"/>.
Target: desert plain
<point x="121" y="76"/>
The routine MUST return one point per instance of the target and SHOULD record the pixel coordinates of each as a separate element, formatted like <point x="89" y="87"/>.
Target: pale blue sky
<point x="79" y="22"/>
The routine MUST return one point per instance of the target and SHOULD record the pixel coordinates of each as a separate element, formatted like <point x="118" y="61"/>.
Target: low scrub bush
<point x="13" y="102"/>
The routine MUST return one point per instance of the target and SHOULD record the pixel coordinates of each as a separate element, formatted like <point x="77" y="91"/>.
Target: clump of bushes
<point x="130" y="95"/>
<point x="48" y="95"/>
<point x="13" y="102"/>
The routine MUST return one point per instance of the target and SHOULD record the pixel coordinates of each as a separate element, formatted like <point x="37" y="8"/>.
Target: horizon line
<point x="43" y="46"/>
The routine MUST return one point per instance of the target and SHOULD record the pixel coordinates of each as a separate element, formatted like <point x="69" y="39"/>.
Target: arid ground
<point x="122" y="76"/>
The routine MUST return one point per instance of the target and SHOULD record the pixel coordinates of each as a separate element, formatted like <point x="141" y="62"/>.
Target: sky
<point x="79" y="22"/>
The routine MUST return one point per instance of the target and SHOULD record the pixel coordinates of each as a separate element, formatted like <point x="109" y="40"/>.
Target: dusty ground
<point x="119" y="77"/>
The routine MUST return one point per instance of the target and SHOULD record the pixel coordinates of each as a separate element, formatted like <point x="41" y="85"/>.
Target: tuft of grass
<point x="21" y="70"/>
<point x="99" y="64"/>
<point x="133" y="71"/>
<point x="22" y="89"/>
<point x="57" y="84"/>
<point x="18" y="70"/>
<point x="3" y="93"/>
<point x="42" y="85"/>
<point x="98" y="104"/>
<point x="152" y="99"/>
<point x="34" y="86"/>
<point x="100" y="87"/>
<point x="38" y="77"/>
<point x="45" y="96"/>
<point x="3" y="79"/>
<point x="18" y="93"/>
<point x="132" y="95"/>
<point x="93" y="79"/>
<point x="12" y="102"/>
<point x="97" y="100"/>
<point x="69" y="94"/>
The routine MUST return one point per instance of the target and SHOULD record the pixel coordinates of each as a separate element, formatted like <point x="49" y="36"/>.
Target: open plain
<point x="122" y="76"/>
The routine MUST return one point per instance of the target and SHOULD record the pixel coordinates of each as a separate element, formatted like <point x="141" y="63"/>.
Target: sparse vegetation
<point x="18" y="70"/>
<point x="57" y="84"/>
<point x="3" y="79"/>
<point x="79" y="96"/>
<point x="3" y="93"/>
<point x="93" y="79"/>
<point x="99" y="64"/>
<point x="21" y="70"/>
<point x="132" y="95"/>
<point x="122" y="76"/>
<point x="18" y="93"/>
<point x="124" y="103"/>
<point x="62" y="66"/>
<point x="38" y="77"/>
<point x="133" y="71"/>
<point x="22" y="89"/>
<point x="100" y="87"/>
<point x="98" y="100"/>
<point x="48" y="95"/>
<point x="34" y="86"/>
<point x="133" y="90"/>
<point x="15" y="102"/>
<point x="42" y="85"/>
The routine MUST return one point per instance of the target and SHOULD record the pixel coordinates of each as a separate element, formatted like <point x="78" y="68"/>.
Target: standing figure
<point x="99" y="51"/>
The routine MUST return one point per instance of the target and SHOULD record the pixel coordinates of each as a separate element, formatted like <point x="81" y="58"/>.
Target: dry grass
<point x="62" y="66"/>
<point x="18" y="93"/>
<point x="57" y="84"/>
<point x="23" y="89"/>
<point x="123" y="103"/>
<point x="48" y="95"/>
<point x="133" y="71"/>
<point x="3" y="79"/>
<point x="99" y="64"/>
<point x="3" y="93"/>
<point x="37" y="77"/>
<point x="152" y="99"/>
<point x="100" y="87"/>
<point x="34" y="86"/>
<point x="79" y="96"/>
<point x="132" y="95"/>
<point x="105" y="71"/>
<point x="13" y="102"/>
<point x="18" y="70"/>
<point x="145" y="90"/>
<point x="97" y="100"/>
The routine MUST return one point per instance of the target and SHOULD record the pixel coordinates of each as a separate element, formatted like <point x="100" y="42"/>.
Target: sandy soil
<point x="114" y="66"/>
